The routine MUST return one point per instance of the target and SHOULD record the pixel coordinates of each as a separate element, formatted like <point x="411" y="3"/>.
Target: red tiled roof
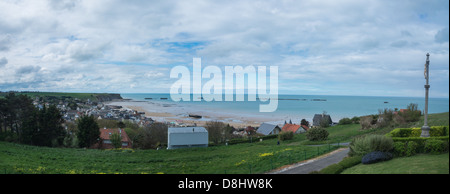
<point x="305" y="127"/>
<point x="290" y="127"/>
<point x="105" y="133"/>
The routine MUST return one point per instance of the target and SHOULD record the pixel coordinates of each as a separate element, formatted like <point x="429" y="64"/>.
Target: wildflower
<point x="266" y="154"/>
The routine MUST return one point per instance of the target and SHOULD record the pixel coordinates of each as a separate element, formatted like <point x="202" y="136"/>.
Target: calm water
<point x="305" y="106"/>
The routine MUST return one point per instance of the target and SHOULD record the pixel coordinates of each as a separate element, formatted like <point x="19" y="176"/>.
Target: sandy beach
<point x="170" y="112"/>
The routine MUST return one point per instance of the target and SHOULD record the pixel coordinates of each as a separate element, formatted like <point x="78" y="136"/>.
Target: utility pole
<point x="425" y="128"/>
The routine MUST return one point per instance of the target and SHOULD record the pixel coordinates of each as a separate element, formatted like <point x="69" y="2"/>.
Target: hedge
<point x="435" y="131"/>
<point x="408" y="146"/>
<point x="341" y="166"/>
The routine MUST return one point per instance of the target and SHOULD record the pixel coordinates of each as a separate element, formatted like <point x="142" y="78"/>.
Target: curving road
<point x="314" y="164"/>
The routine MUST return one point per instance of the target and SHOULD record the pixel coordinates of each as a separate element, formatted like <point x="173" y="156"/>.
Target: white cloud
<point x="327" y="46"/>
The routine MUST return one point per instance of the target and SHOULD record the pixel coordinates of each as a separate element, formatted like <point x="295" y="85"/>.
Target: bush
<point x="434" y="146"/>
<point x="341" y="166"/>
<point x="317" y="134"/>
<point x="345" y="121"/>
<point x="355" y="120"/>
<point x="364" y="145"/>
<point x="399" y="149"/>
<point x="411" y="148"/>
<point x="366" y="122"/>
<point x="376" y="156"/>
<point x="435" y="131"/>
<point x="286" y="135"/>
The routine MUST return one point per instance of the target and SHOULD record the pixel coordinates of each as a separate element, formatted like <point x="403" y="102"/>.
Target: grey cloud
<point x="5" y="43"/>
<point x="400" y="43"/>
<point x="27" y="69"/>
<point x="442" y="36"/>
<point x="3" y="61"/>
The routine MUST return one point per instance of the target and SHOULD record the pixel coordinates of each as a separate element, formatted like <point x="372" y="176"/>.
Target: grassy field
<point x="418" y="164"/>
<point x="243" y="158"/>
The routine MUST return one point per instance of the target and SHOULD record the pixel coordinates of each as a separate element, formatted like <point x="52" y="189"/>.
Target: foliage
<point x="150" y="137"/>
<point x="355" y="120"/>
<point x="376" y="156"/>
<point x="317" y="134"/>
<point x="218" y="132"/>
<point x="88" y="131"/>
<point x="304" y="122"/>
<point x="435" y="131"/>
<point x="369" y="143"/>
<point x="116" y="140"/>
<point x="345" y="121"/>
<point x="411" y="148"/>
<point x="412" y="113"/>
<point x="366" y="122"/>
<point x="435" y="146"/>
<point x="286" y="135"/>
<point x="342" y="165"/>
<point x="28" y="124"/>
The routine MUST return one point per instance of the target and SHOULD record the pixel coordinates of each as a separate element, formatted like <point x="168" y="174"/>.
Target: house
<point x="186" y="137"/>
<point x="268" y="129"/>
<point x="319" y="117"/>
<point x="105" y="140"/>
<point x="294" y="128"/>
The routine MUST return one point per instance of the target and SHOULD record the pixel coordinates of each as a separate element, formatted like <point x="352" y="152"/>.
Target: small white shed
<point x="185" y="137"/>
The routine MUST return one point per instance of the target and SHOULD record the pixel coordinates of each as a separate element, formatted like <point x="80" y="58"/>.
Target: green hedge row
<point x="435" y="131"/>
<point x="408" y="146"/>
<point x="341" y="166"/>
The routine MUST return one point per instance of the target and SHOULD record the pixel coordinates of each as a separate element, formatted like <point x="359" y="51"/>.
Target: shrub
<point x="435" y="131"/>
<point x="345" y="121"/>
<point x="341" y="166"/>
<point x="399" y="149"/>
<point x="411" y="148"/>
<point x="355" y="120"/>
<point x="376" y="156"/>
<point x="317" y="134"/>
<point x="286" y="135"/>
<point x="364" y="145"/>
<point x="366" y="122"/>
<point x="434" y="146"/>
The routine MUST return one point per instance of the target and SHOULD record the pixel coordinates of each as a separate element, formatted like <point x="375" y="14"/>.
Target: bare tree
<point x="217" y="131"/>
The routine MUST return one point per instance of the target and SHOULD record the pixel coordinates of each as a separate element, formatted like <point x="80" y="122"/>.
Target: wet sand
<point x="169" y="112"/>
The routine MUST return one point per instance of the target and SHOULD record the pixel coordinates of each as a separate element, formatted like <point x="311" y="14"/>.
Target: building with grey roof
<point x="268" y="129"/>
<point x="319" y="117"/>
<point x="185" y="137"/>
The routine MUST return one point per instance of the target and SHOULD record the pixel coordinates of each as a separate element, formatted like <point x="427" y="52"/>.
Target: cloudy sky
<point x="344" y="47"/>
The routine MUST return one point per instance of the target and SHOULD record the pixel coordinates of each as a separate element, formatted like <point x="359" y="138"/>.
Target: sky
<point x="345" y="47"/>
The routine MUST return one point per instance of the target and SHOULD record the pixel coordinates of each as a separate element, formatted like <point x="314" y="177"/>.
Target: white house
<point x="185" y="137"/>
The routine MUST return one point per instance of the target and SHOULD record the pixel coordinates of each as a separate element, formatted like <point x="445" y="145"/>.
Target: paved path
<point x="314" y="164"/>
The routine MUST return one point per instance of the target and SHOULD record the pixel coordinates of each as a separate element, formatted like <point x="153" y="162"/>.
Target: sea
<point x="298" y="107"/>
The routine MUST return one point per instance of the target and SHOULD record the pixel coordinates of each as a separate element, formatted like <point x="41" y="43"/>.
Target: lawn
<point x="242" y="158"/>
<point x="418" y="164"/>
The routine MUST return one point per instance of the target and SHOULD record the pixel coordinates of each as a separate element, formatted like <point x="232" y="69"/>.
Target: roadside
<point x="314" y="164"/>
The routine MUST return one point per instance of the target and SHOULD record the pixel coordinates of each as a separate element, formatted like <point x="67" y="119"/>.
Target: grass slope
<point x="418" y="164"/>
<point x="238" y="159"/>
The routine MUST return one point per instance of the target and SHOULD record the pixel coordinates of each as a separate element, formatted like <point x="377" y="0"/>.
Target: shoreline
<point x="169" y="112"/>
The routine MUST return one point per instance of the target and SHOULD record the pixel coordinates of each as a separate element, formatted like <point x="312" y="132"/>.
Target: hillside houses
<point x="72" y="109"/>
<point x="296" y="129"/>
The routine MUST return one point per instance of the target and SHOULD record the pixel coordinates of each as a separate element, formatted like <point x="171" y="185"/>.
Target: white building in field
<point x="186" y="137"/>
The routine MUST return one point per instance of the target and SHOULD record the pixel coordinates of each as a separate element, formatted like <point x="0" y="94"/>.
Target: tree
<point x="217" y="131"/>
<point x="151" y="137"/>
<point x="116" y="140"/>
<point x="50" y="131"/>
<point x="317" y="134"/>
<point x="304" y="122"/>
<point x="88" y="131"/>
